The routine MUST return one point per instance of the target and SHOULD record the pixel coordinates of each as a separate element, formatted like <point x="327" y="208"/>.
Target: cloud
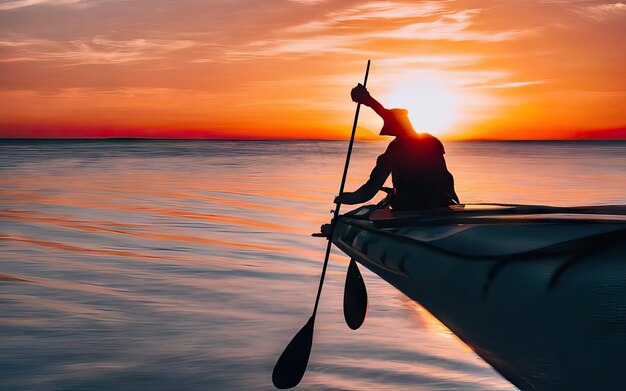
<point x="19" y="43"/>
<point x="98" y="50"/>
<point x="114" y="93"/>
<point x="307" y="2"/>
<point x="516" y="84"/>
<point x="454" y="27"/>
<point x="86" y="101"/>
<point x="603" y="11"/>
<point x="439" y="60"/>
<point x="369" y="11"/>
<point x="10" y="5"/>
<point x="352" y="30"/>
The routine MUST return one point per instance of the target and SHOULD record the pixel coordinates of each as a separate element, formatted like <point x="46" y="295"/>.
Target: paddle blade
<point x="354" y="297"/>
<point x="291" y="365"/>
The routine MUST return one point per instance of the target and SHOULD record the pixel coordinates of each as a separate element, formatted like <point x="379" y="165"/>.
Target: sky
<point x="544" y="69"/>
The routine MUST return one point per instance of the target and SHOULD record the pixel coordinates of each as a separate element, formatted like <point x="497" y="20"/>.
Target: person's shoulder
<point x="428" y="137"/>
<point x="429" y="141"/>
<point x="393" y="146"/>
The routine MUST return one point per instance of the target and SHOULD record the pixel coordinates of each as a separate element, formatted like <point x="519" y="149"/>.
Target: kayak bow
<point x="538" y="292"/>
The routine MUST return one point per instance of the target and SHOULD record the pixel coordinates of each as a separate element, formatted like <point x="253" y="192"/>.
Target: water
<point x="188" y="265"/>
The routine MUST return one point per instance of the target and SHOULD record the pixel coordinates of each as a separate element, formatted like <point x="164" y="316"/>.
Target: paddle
<point x="354" y="297"/>
<point x="291" y="365"/>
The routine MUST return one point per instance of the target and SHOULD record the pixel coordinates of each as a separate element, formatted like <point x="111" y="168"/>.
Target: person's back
<point x="420" y="177"/>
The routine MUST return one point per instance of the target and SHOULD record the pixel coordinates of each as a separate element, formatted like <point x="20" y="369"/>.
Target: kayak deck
<point x="486" y="233"/>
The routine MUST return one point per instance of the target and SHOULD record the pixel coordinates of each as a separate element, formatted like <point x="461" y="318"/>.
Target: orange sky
<point x="260" y="68"/>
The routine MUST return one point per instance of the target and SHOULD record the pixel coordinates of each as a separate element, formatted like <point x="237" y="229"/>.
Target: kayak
<point x="538" y="292"/>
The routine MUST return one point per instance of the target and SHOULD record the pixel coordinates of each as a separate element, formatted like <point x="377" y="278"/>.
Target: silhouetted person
<point x="415" y="161"/>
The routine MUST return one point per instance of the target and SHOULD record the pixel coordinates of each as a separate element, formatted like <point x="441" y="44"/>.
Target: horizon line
<point x="282" y="139"/>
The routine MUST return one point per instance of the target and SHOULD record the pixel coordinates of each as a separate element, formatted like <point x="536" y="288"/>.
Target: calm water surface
<point x="188" y="265"/>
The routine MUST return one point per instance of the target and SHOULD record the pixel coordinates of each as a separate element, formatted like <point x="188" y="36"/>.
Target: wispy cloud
<point x="371" y="11"/>
<point x="351" y="31"/>
<point x="603" y="11"/>
<point x="21" y="42"/>
<point x="98" y="50"/>
<point x="307" y="2"/>
<point x="455" y="27"/>
<point x="14" y="4"/>
<point x="439" y="60"/>
<point x="515" y="84"/>
<point x="114" y="93"/>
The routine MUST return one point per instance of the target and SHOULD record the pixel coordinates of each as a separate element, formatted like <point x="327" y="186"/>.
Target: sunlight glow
<point x="432" y="106"/>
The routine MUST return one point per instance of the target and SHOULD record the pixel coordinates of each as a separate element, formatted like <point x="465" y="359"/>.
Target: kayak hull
<point x="546" y="313"/>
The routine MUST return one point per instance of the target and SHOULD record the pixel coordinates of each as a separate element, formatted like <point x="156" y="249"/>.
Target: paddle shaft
<point x="291" y="364"/>
<point x="343" y="183"/>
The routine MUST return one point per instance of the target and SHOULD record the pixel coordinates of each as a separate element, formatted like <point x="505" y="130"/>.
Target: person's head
<point x="397" y="123"/>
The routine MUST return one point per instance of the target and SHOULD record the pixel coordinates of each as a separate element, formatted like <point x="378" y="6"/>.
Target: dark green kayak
<point x="538" y="292"/>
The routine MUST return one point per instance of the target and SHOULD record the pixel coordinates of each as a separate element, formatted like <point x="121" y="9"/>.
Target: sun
<point x="432" y="106"/>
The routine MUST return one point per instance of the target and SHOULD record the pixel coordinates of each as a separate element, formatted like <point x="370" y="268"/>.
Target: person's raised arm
<point x="361" y="95"/>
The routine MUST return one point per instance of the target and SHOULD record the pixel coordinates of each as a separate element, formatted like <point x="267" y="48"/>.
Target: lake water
<point x="189" y="265"/>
